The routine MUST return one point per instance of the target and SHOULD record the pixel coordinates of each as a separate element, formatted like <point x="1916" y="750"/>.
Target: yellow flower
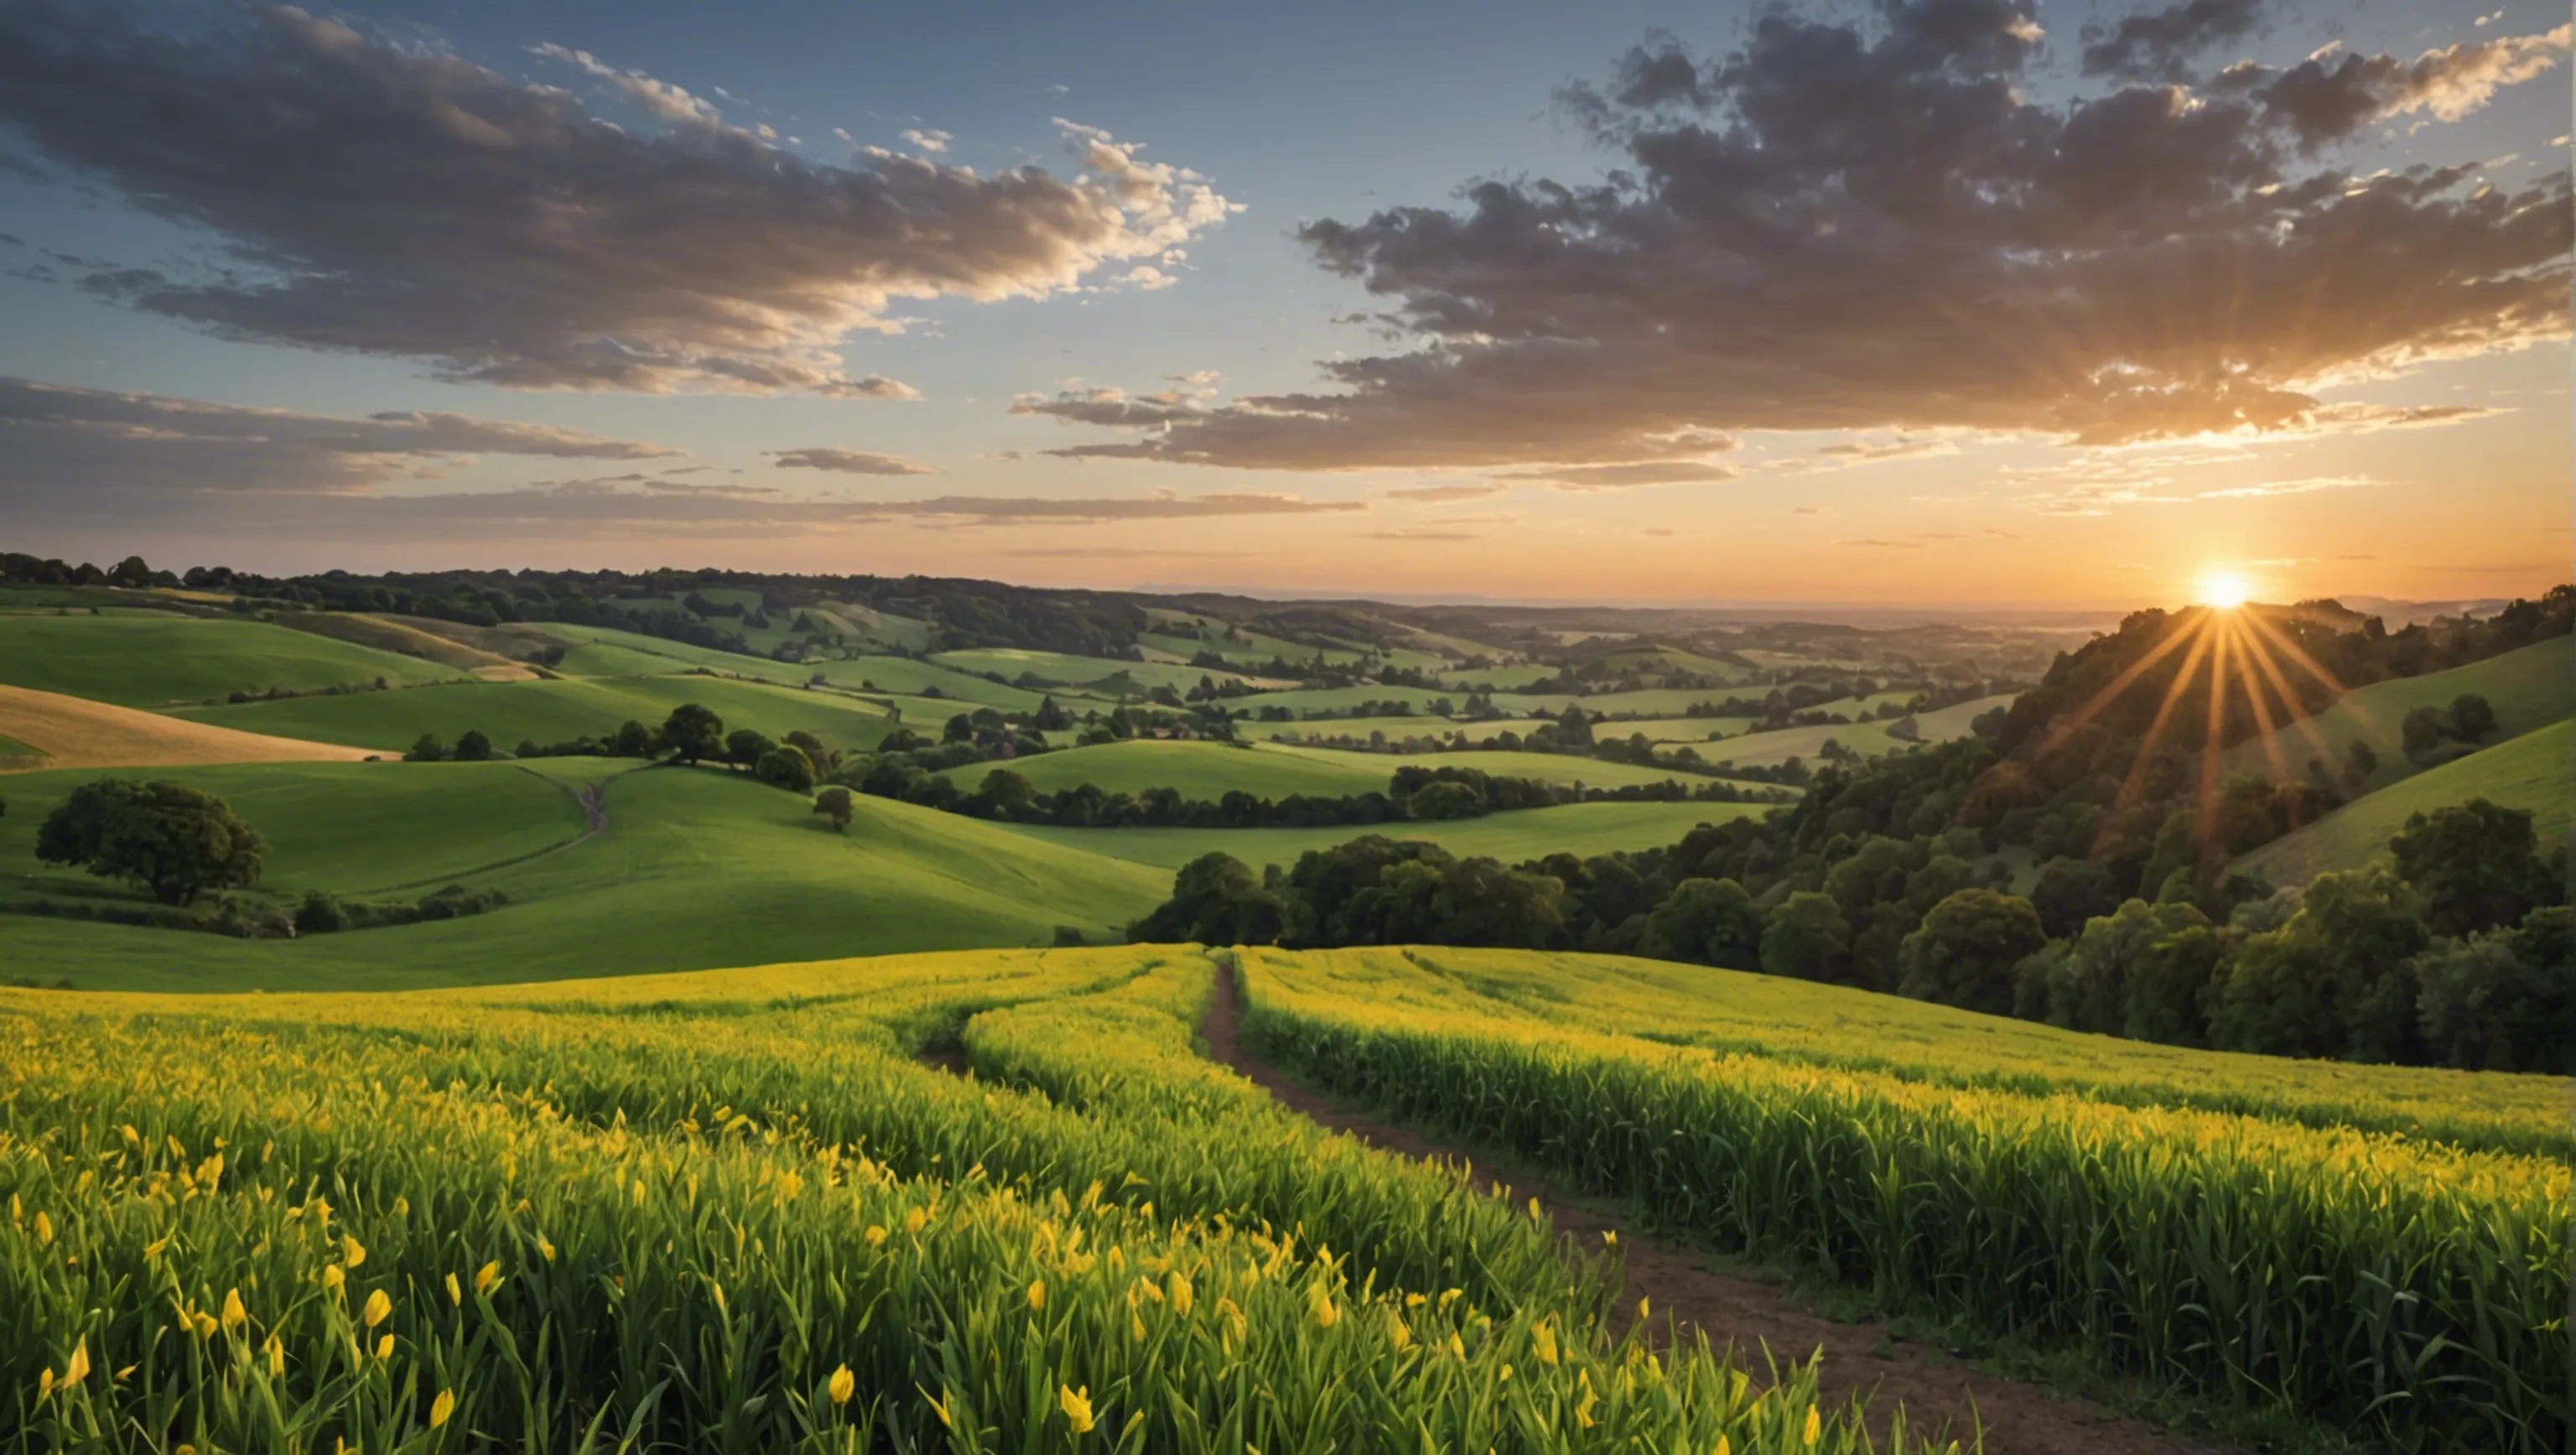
<point x="876" y="1235"/>
<point x="352" y="1252"/>
<point x="1583" y="1406"/>
<point x="455" y="1292"/>
<point x="1725" y="1446"/>
<point x="914" y="1220"/>
<point x="276" y="1358"/>
<point x="545" y="1249"/>
<point x="1645" y="1309"/>
<point x="1543" y="1338"/>
<point x="378" y="1309"/>
<point x="78" y="1369"/>
<point x="843" y="1384"/>
<point x="44" y="1229"/>
<point x="1037" y="1298"/>
<point x="486" y="1276"/>
<point x="1400" y="1334"/>
<point x="1182" y="1295"/>
<point x="333" y="1277"/>
<point x="1815" y="1426"/>
<point x="205" y="1325"/>
<point x="1136" y="1327"/>
<point x="1610" y="1237"/>
<point x="234" y="1314"/>
<point x="45" y="1385"/>
<point x="441" y="1407"/>
<point x="1325" y="1314"/>
<point x="385" y="1347"/>
<point x="1077" y="1407"/>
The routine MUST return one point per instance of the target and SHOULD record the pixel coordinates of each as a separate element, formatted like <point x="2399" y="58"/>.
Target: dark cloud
<point x="97" y="458"/>
<point x="847" y="462"/>
<point x="390" y="199"/>
<point x="2327" y="96"/>
<point x="2160" y="45"/>
<point x="1883" y="226"/>
<point x="1111" y="406"/>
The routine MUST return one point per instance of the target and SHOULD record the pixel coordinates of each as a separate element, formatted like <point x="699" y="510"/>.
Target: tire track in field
<point x="1861" y="1360"/>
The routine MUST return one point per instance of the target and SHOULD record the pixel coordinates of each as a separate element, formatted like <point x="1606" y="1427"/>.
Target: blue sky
<point x="1296" y="114"/>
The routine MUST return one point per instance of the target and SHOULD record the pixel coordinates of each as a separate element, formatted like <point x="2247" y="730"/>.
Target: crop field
<point x="2387" y="1282"/>
<point x="2528" y="688"/>
<point x="1582" y="829"/>
<point x="1946" y="724"/>
<point x="550" y="712"/>
<point x="1506" y="676"/>
<point x="731" y="1211"/>
<point x="74" y="732"/>
<point x="154" y="659"/>
<point x="2533" y="771"/>
<point x="696" y="869"/>
<point x="1776" y="747"/>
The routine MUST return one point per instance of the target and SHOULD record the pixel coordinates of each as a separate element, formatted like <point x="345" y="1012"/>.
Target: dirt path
<point x="594" y="807"/>
<point x="1862" y="1359"/>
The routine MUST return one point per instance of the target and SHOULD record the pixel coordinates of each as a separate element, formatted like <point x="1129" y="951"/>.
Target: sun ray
<point x="2081" y="715"/>
<point x="2211" y="778"/>
<point x="2200" y="639"/>
<point x="2268" y="670"/>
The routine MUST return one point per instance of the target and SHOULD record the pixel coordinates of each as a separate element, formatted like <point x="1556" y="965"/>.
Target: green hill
<point x="154" y="659"/>
<point x="551" y="712"/>
<point x="1062" y="669"/>
<point x="696" y="869"/>
<point x="1200" y="770"/>
<point x="1560" y="768"/>
<point x="2533" y="771"/>
<point x="1582" y="829"/>
<point x="2528" y="688"/>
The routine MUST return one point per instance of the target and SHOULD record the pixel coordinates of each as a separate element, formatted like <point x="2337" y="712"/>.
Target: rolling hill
<point x="551" y="712"/>
<point x="2529" y="687"/>
<point x="74" y="732"/>
<point x="1581" y="829"/>
<point x="696" y="869"/>
<point x="157" y="660"/>
<point x="2533" y="771"/>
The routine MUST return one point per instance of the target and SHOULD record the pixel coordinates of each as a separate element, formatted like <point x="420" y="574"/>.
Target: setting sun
<point x="2224" y="589"/>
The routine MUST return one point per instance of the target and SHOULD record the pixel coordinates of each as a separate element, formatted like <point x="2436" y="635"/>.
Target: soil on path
<point x="1860" y="1359"/>
<point x="594" y="807"/>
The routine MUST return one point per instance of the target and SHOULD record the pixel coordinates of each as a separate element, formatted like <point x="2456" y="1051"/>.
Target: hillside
<point x="551" y="712"/>
<point x="2534" y="771"/>
<point x="74" y="732"/>
<point x="158" y="660"/>
<point x="2528" y="687"/>
<point x="696" y="869"/>
<point x="1581" y="829"/>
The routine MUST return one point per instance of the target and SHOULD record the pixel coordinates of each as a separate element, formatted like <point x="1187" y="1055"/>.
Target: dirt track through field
<point x="1860" y="1359"/>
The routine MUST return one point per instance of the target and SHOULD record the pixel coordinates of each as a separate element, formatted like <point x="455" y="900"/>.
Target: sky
<point x="1923" y="302"/>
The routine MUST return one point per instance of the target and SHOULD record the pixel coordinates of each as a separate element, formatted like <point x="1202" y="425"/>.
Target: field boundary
<point x="1861" y="1360"/>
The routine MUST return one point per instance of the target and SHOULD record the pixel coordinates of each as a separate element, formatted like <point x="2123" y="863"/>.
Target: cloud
<point x="1907" y="223"/>
<point x="663" y="99"/>
<point x="107" y="459"/>
<point x="1111" y="406"/>
<point x="2158" y="45"/>
<point x="2291" y="487"/>
<point x="1423" y="533"/>
<point x="1582" y="479"/>
<point x="1437" y="494"/>
<point x="391" y="199"/>
<point x="847" y="462"/>
<point x="928" y="141"/>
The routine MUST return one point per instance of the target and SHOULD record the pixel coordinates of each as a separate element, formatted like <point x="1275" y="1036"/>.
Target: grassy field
<point x="1556" y="768"/>
<point x="732" y="1212"/>
<point x="1576" y="828"/>
<point x="1947" y="724"/>
<point x="1065" y="670"/>
<point x="1305" y="700"/>
<point x="1247" y="648"/>
<point x="353" y="828"/>
<point x="385" y="634"/>
<point x="1777" y="747"/>
<point x="697" y="869"/>
<point x="1200" y="770"/>
<point x="2534" y="771"/>
<point x="2108" y="1216"/>
<point x="2528" y="688"/>
<point x="551" y="712"/>
<point x="155" y="659"/>
<point x="74" y="732"/>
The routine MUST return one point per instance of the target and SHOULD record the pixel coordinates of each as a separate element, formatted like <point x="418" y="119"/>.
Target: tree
<point x="1447" y="799"/>
<point x="1708" y="921"/>
<point x="2337" y="979"/>
<point x="2475" y="863"/>
<point x="693" y="733"/>
<point x="172" y="841"/>
<point x="824" y="759"/>
<point x="1215" y="900"/>
<point x="785" y="767"/>
<point x="2070" y="892"/>
<point x="2501" y="1001"/>
<point x="2139" y="972"/>
<point x="1006" y="792"/>
<point x="1574" y="727"/>
<point x="745" y="747"/>
<point x="633" y="740"/>
<point x="835" y="806"/>
<point x="1807" y="937"/>
<point x="1967" y="950"/>
<point x="2472" y="718"/>
<point x="2360" y="761"/>
<point x="2422" y="730"/>
<point x="426" y="749"/>
<point x="475" y="746"/>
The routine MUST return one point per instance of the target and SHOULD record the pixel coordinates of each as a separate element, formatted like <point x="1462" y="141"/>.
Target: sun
<point x="2223" y="589"/>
